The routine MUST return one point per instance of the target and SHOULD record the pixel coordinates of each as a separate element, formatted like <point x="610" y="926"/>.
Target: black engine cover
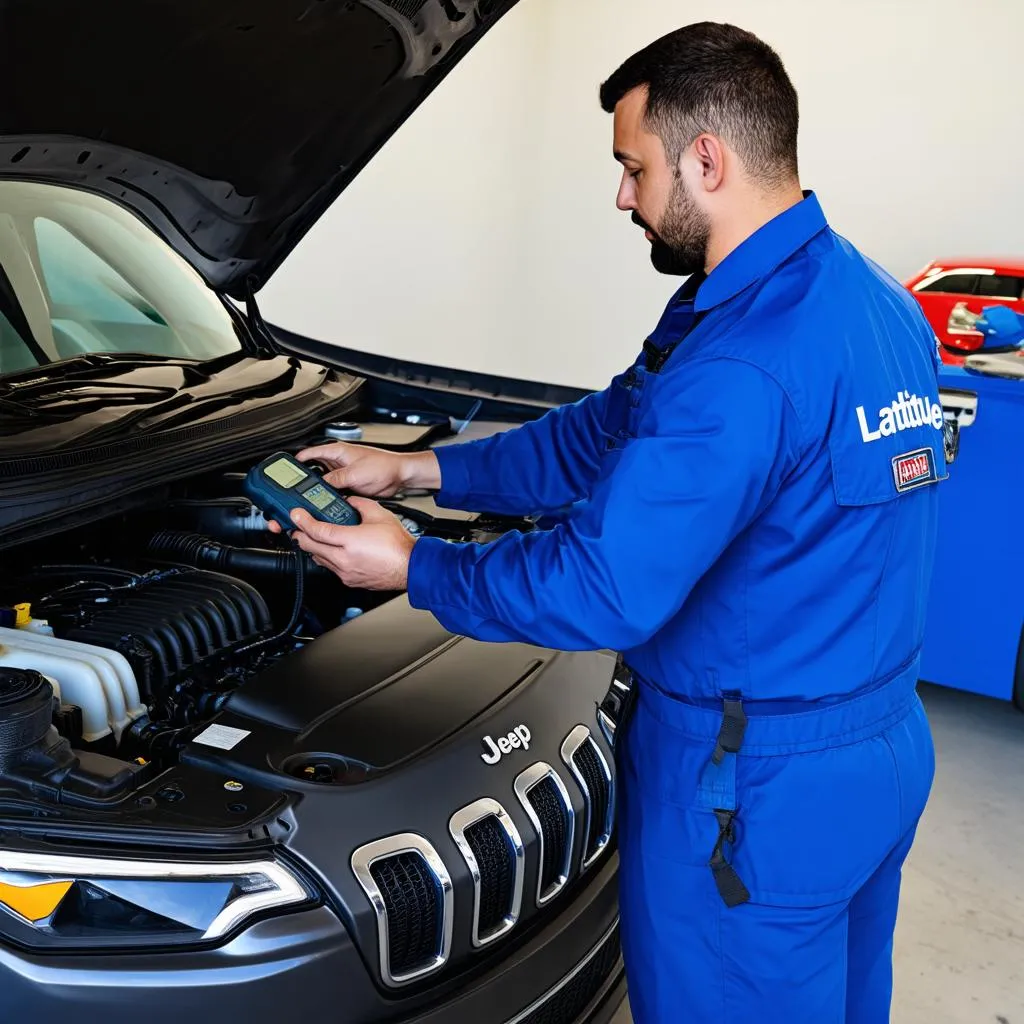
<point x="379" y="691"/>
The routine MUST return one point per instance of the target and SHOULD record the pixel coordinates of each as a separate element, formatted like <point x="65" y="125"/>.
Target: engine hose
<point x="202" y="552"/>
<point x="293" y="621"/>
<point x="229" y="520"/>
<point x="89" y="588"/>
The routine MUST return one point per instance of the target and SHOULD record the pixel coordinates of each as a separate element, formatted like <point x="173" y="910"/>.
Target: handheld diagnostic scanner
<point x="280" y="483"/>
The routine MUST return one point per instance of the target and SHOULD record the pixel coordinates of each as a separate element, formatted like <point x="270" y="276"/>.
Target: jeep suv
<point x="231" y="788"/>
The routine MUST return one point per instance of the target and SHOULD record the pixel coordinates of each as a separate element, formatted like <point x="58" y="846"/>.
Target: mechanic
<point x="748" y="513"/>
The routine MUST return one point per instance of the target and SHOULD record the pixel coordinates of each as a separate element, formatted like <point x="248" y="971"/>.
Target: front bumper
<point x="305" y="966"/>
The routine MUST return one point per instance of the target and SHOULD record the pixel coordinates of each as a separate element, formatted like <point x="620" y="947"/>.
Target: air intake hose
<point x="26" y="712"/>
<point x="204" y="553"/>
<point x="229" y="520"/>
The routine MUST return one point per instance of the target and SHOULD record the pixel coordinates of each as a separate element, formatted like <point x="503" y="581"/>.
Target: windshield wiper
<point x="102" y="363"/>
<point x="64" y="388"/>
<point x="10" y="407"/>
<point x="96" y="369"/>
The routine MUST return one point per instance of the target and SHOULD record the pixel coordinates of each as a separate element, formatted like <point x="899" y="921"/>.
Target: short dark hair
<point x="719" y="79"/>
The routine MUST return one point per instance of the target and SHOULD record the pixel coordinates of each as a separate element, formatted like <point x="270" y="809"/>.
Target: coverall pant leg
<point x="822" y="830"/>
<point x="872" y="921"/>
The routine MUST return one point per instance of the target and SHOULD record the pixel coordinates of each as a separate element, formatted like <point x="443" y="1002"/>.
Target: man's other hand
<point x="372" y="556"/>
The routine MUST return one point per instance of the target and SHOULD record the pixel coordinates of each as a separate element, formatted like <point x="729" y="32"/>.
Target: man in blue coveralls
<point x="752" y="515"/>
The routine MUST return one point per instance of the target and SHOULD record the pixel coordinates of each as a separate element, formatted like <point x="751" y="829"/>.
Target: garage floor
<point x="960" y="938"/>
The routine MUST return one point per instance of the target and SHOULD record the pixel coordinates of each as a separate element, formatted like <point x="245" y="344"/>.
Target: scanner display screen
<point x="319" y="496"/>
<point x="285" y="473"/>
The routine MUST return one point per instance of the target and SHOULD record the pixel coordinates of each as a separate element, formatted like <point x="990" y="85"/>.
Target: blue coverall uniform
<point x="751" y="516"/>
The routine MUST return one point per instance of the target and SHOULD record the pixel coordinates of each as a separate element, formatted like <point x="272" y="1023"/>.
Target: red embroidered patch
<point x="914" y="469"/>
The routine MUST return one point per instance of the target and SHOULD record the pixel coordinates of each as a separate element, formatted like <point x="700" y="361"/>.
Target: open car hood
<point x="228" y="125"/>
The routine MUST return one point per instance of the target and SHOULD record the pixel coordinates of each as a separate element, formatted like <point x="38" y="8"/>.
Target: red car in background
<point x="950" y="291"/>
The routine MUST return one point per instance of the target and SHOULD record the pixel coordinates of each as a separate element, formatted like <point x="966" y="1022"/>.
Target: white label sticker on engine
<point x="221" y="736"/>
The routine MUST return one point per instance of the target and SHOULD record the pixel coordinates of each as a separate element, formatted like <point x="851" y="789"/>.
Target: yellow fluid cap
<point x="23" y="612"/>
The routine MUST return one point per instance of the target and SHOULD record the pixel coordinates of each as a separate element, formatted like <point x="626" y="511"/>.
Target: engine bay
<point x="121" y="640"/>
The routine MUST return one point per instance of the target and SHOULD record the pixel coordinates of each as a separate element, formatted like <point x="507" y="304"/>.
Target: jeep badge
<point x="518" y="738"/>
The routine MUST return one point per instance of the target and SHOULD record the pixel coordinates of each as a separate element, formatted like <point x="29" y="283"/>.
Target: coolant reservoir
<point x="40" y="626"/>
<point x="99" y="681"/>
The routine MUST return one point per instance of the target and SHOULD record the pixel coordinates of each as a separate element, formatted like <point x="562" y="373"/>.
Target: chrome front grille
<point x="493" y="850"/>
<point x="411" y="891"/>
<point x="546" y="801"/>
<point x="583" y="757"/>
<point x="411" y="894"/>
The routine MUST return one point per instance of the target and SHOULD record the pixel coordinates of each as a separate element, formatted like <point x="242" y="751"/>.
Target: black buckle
<point x="730" y="886"/>
<point x="654" y="357"/>
<point x="732" y="730"/>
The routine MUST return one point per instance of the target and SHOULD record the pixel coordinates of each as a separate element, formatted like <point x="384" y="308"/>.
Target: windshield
<point x="79" y="274"/>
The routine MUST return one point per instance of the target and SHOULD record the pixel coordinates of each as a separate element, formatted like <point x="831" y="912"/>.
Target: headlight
<point x="66" y="902"/>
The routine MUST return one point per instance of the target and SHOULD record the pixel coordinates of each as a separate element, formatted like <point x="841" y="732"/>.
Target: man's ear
<point x="710" y="155"/>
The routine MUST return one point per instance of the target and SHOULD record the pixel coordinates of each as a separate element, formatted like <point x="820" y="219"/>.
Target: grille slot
<point x="411" y="894"/>
<point x="586" y="760"/>
<point x="566" y="1003"/>
<point x="489" y="844"/>
<point x="546" y="801"/>
<point x="590" y="769"/>
<point x="493" y="850"/>
<point x="554" y="827"/>
<point x="413" y="906"/>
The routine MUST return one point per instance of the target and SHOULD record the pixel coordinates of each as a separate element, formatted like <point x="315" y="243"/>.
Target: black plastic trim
<point x="538" y="1004"/>
<point x="445" y="389"/>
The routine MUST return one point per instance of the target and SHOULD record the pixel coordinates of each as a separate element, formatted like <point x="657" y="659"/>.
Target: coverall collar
<point x="762" y="253"/>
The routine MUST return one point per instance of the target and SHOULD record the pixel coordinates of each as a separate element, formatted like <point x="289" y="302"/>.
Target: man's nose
<point x="626" y="199"/>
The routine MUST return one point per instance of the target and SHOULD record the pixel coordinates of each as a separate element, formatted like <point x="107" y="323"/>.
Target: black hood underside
<point x="228" y="125"/>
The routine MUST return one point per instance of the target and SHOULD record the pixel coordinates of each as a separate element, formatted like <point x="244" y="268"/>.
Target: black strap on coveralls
<point x="722" y="769"/>
<point x="717" y="789"/>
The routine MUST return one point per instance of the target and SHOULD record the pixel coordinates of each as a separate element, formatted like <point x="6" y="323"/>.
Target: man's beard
<point x="680" y="246"/>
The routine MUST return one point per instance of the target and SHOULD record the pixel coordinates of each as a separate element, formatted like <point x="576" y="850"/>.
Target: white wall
<point x="485" y="234"/>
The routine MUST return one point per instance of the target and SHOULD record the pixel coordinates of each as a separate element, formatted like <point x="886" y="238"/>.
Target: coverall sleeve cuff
<point x="454" y="461"/>
<point x="430" y="575"/>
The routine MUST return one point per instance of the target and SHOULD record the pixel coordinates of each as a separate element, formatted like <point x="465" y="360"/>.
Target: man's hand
<point x="372" y="556"/>
<point x="373" y="472"/>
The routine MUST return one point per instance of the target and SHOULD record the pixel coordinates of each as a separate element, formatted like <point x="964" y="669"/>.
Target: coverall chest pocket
<point x="880" y="456"/>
